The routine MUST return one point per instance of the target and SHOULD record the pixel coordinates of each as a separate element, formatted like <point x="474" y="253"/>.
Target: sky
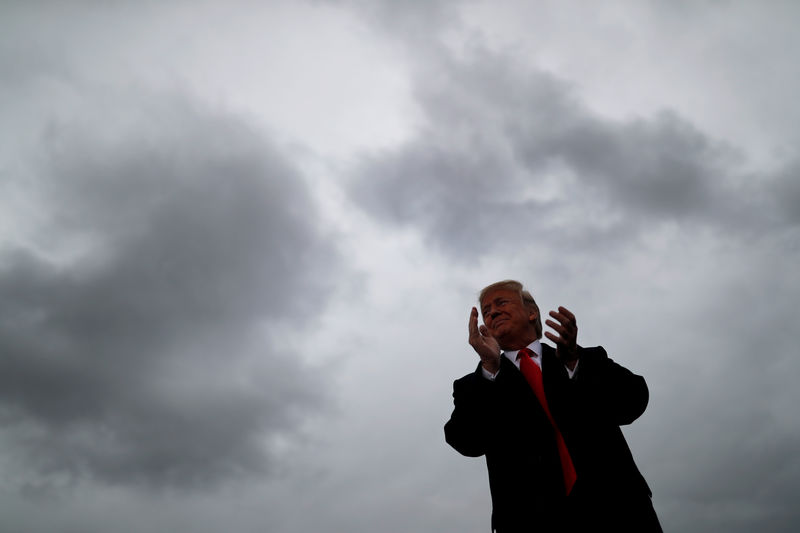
<point x="239" y="244"/>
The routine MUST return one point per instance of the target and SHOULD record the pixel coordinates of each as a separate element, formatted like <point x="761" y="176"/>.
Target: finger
<point x="560" y="328"/>
<point x="567" y="337"/>
<point x="564" y="319"/>
<point x="473" y="321"/>
<point x="566" y="312"/>
<point x="554" y="338"/>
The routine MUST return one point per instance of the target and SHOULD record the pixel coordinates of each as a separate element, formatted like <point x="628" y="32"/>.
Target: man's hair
<point x="525" y="296"/>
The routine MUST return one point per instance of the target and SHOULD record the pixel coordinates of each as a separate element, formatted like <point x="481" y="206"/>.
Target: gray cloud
<point x="417" y="21"/>
<point x="504" y="145"/>
<point x="509" y="157"/>
<point x="138" y="319"/>
<point x="143" y="343"/>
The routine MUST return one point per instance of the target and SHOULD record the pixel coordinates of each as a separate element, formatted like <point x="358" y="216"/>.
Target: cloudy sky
<point x="239" y="242"/>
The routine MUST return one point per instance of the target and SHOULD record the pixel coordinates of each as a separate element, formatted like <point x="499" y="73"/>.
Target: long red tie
<point x="533" y="374"/>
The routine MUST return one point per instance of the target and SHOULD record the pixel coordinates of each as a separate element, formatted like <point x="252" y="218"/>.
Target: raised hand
<point x="483" y="343"/>
<point x="566" y="339"/>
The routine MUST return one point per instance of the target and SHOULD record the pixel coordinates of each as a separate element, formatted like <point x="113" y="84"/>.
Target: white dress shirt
<point x="536" y="348"/>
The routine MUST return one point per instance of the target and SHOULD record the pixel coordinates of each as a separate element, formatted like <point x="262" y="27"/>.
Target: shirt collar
<point x="535" y="347"/>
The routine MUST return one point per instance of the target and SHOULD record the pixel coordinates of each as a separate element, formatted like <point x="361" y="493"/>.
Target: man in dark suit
<point x="557" y="461"/>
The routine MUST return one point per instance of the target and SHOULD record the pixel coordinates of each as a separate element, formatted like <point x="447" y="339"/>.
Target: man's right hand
<point x="485" y="345"/>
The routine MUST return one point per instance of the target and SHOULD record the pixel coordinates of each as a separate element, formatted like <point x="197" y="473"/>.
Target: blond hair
<point x="525" y="296"/>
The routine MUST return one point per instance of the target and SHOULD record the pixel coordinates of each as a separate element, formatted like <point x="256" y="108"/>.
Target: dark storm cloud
<point x="418" y="20"/>
<point x="137" y="322"/>
<point x="507" y="144"/>
<point x="786" y="200"/>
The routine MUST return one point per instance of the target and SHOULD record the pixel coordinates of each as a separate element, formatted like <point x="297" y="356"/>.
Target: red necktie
<point x="533" y="374"/>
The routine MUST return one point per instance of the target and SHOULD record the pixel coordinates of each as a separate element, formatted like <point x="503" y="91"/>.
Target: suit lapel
<point x="552" y="369"/>
<point x="556" y="381"/>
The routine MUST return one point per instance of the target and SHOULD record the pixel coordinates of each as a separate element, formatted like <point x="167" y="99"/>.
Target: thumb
<point x="484" y="331"/>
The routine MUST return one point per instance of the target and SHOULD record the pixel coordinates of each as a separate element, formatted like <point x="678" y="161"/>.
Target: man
<point x="559" y="463"/>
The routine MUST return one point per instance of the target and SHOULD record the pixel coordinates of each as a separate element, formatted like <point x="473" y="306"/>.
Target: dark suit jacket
<point x="502" y="420"/>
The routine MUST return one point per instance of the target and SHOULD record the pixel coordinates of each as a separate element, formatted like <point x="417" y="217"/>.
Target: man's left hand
<point x="567" y="335"/>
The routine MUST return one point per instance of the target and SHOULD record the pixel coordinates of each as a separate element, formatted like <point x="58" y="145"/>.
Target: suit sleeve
<point x="609" y="389"/>
<point x="469" y="427"/>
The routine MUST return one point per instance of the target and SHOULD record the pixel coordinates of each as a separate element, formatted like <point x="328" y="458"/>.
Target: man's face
<point x="507" y="319"/>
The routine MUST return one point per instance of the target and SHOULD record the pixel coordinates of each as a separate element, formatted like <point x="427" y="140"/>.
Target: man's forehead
<point x="497" y="294"/>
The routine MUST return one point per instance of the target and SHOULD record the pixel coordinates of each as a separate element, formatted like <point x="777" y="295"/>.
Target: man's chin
<point x="501" y="336"/>
<point x="499" y="330"/>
